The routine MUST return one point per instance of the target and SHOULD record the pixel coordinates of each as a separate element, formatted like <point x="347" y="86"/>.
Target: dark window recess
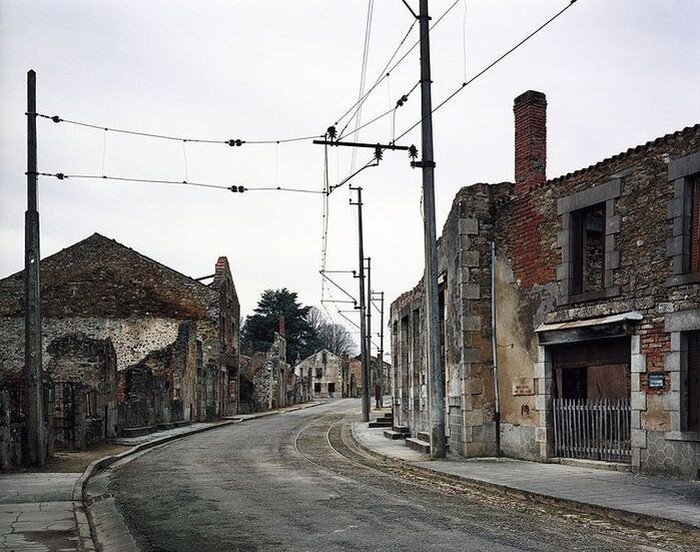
<point x="317" y="387"/>
<point x="441" y="306"/>
<point x="694" y="256"/>
<point x="331" y="387"/>
<point x="693" y="397"/>
<point x="597" y="369"/>
<point x="588" y="249"/>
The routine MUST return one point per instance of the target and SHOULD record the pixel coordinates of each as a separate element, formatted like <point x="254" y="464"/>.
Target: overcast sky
<point x="616" y="74"/>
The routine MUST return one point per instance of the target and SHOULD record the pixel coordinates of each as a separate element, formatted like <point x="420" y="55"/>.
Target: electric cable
<point x="384" y="73"/>
<point x="489" y="66"/>
<point x="241" y="189"/>
<point x="230" y="142"/>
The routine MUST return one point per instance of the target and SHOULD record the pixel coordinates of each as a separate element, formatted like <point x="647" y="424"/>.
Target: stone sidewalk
<point x="37" y="512"/>
<point x="621" y="495"/>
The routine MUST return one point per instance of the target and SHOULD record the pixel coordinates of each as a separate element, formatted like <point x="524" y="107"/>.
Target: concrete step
<point x="402" y="429"/>
<point x="388" y="416"/>
<point x="136" y="431"/>
<point x="380" y="423"/>
<point x="418" y="444"/>
<point x="423" y="436"/>
<point x="395" y="435"/>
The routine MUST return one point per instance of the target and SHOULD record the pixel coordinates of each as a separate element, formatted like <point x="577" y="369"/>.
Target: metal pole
<point x="435" y="370"/>
<point x="494" y="352"/>
<point x="363" y="332"/>
<point x="35" y="448"/>
<point x="368" y="306"/>
<point x="381" y="352"/>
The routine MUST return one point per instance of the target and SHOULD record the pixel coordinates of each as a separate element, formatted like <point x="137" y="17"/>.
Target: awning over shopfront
<point x="615" y="325"/>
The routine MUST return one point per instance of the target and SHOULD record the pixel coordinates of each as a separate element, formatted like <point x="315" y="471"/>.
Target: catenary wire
<point x="384" y="73"/>
<point x="230" y="142"/>
<point x="67" y="176"/>
<point x="489" y="66"/>
<point x="363" y="76"/>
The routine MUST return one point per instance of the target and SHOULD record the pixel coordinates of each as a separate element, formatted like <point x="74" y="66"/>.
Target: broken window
<point x="317" y="387"/>
<point x="331" y="387"/>
<point x="588" y="249"/>
<point x="691" y="395"/>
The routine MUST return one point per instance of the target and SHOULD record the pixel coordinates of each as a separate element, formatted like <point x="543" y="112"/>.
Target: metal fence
<point x="592" y="429"/>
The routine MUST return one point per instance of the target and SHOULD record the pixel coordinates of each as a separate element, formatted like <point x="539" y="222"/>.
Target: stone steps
<point x="380" y="422"/>
<point x="395" y="435"/>
<point x="418" y="444"/>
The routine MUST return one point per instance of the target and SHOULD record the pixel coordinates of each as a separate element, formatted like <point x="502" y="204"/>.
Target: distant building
<point x="327" y="373"/>
<point x="597" y="309"/>
<point x="150" y="345"/>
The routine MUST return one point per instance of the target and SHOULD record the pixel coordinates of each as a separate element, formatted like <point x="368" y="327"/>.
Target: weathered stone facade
<point x="268" y="380"/>
<point x="157" y="320"/>
<point x="325" y="371"/>
<point x="636" y="289"/>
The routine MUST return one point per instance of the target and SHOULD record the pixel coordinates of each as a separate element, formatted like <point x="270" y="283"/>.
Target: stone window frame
<point x="607" y="193"/>
<point x="681" y="172"/>
<point x="678" y="324"/>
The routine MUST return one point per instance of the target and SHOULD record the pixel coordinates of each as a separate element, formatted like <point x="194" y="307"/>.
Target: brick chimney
<point x="530" y="110"/>
<point x="283" y="329"/>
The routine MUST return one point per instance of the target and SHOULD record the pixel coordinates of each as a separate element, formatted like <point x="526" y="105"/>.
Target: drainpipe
<point x="497" y="401"/>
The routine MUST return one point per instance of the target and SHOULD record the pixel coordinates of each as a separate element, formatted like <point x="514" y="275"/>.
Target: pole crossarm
<point x="339" y="301"/>
<point x="363" y="145"/>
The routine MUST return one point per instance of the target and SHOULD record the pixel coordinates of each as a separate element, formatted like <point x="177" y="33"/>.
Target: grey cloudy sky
<point x="616" y="74"/>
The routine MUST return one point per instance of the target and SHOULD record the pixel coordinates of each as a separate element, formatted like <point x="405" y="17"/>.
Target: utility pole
<point x="381" y="349"/>
<point x="427" y="164"/>
<point x="363" y="332"/>
<point x="34" y="446"/>
<point x="369" y="325"/>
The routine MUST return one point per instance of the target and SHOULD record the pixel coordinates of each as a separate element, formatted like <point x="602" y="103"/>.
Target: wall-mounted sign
<point x="655" y="381"/>
<point x="523" y="387"/>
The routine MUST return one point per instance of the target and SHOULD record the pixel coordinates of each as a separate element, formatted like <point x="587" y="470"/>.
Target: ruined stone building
<point x="149" y="345"/>
<point x="377" y="370"/>
<point x="587" y="287"/>
<point x="328" y="373"/>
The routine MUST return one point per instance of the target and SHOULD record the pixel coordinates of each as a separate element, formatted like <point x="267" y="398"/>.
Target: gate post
<point x="79" y="411"/>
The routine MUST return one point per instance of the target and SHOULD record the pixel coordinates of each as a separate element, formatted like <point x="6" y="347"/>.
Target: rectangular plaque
<point x="523" y="387"/>
<point x="655" y="381"/>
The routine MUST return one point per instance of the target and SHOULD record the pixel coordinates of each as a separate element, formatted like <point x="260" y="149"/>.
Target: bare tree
<point x="334" y="337"/>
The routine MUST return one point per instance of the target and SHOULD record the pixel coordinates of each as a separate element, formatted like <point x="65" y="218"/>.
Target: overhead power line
<point x="386" y="71"/>
<point x="230" y="142"/>
<point x="489" y="66"/>
<point x="235" y="188"/>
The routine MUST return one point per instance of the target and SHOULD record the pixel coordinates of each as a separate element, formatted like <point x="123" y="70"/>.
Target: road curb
<point x="644" y="521"/>
<point x="84" y="514"/>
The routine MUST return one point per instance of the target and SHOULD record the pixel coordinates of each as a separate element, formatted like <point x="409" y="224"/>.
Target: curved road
<point x="296" y="482"/>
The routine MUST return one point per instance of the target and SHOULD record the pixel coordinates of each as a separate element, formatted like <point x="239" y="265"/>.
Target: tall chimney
<point x="530" y="110"/>
<point x="283" y="329"/>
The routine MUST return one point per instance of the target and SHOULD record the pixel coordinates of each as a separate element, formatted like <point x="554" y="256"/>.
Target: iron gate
<point x="65" y="397"/>
<point x="592" y="429"/>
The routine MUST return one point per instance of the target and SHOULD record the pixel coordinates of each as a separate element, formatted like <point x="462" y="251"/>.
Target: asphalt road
<point x="296" y="482"/>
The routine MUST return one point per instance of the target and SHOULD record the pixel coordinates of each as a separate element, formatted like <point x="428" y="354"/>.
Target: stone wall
<point x="102" y="290"/>
<point x="324" y="368"/>
<point x="529" y="222"/>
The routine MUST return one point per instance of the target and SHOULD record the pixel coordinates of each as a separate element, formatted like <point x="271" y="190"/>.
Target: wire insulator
<point x="56" y="119"/>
